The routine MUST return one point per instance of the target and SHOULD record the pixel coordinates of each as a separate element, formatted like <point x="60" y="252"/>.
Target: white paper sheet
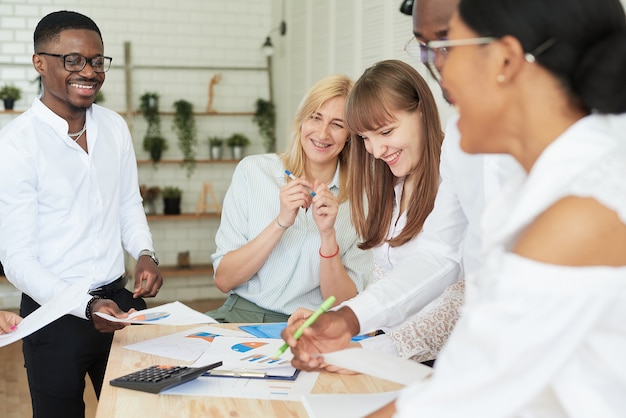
<point x="62" y="304"/>
<point x="382" y="365"/>
<point x="179" y="314"/>
<point x="248" y="354"/>
<point x="229" y="387"/>
<point x="346" y="405"/>
<point x="185" y="345"/>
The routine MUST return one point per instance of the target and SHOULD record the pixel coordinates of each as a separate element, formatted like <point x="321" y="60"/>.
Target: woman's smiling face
<point x="324" y="133"/>
<point x="397" y="143"/>
<point x="470" y="75"/>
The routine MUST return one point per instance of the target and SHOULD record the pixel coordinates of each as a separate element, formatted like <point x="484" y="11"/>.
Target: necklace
<point x="78" y="134"/>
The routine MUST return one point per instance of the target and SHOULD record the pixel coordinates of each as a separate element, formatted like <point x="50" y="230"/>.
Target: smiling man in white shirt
<point x="69" y="205"/>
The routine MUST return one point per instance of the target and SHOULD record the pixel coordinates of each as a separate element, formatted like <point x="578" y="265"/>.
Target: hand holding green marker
<point x="309" y="321"/>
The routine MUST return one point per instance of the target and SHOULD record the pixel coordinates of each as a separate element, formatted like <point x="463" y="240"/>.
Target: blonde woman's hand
<point x="325" y="208"/>
<point x="300" y="313"/>
<point x="293" y="196"/>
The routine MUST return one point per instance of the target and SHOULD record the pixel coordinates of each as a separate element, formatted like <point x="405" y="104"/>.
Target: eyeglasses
<point x="429" y="52"/>
<point x="76" y="62"/>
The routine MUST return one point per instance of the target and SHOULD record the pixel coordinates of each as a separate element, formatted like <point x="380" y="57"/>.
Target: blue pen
<point x="292" y="177"/>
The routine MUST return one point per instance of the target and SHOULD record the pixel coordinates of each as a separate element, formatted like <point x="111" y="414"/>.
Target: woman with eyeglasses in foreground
<point x="542" y="330"/>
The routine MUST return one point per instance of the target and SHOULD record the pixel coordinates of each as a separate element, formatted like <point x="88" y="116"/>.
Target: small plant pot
<point x="171" y="206"/>
<point x="155" y="154"/>
<point x="184" y="260"/>
<point x="9" y="104"/>
<point x="236" y="152"/>
<point x="148" y="207"/>
<point x="216" y="152"/>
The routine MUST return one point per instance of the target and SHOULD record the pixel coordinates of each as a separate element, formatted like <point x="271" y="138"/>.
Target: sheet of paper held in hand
<point x="174" y="313"/>
<point x="382" y="365"/>
<point x="60" y="305"/>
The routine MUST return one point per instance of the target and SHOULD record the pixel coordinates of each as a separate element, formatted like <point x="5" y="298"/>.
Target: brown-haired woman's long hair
<point x="383" y="89"/>
<point x="294" y="158"/>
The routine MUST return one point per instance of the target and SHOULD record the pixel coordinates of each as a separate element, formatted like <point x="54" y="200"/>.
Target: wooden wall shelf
<point x="172" y="113"/>
<point x="194" y="270"/>
<point x="144" y="162"/>
<point x="183" y="216"/>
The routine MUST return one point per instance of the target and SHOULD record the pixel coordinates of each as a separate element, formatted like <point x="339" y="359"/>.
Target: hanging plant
<point x="265" y="118"/>
<point x="153" y="141"/>
<point x="185" y="127"/>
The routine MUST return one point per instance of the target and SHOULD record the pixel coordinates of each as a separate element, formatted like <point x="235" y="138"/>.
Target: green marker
<point x="309" y="321"/>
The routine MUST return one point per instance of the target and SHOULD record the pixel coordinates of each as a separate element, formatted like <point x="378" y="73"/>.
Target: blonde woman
<point x="288" y="242"/>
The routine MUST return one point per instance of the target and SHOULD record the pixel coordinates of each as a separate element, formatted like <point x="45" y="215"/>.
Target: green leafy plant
<point x="185" y="127"/>
<point x="238" y="140"/>
<point x="171" y="192"/>
<point x="215" y="147"/>
<point x="216" y="141"/>
<point x="9" y="92"/>
<point x="155" y="145"/>
<point x="171" y="199"/>
<point x="265" y="118"/>
<point x="153" y="141"/>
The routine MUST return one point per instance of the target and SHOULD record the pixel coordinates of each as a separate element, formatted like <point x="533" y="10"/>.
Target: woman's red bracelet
<point x="329" y="256"/>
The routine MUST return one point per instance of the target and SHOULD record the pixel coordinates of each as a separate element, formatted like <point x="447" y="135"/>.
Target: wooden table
<point x="118" y="402"/>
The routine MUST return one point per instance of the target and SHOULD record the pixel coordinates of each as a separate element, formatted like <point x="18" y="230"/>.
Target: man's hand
<point x="331" y="332"/>
<point x="148" y="279"/>
<point x="107" y="306"/>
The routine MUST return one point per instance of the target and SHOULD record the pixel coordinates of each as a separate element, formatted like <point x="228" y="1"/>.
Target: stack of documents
<point x="248" y="357"/>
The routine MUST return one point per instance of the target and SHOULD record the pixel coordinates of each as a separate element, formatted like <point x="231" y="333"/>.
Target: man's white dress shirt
<point x="65" y="213"/>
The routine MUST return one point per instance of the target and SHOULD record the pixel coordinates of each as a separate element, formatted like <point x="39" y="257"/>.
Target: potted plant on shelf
<point x="215" y="147"/>
<point x="237" y="142"/>
<point x="265" y="118"/>
<point x="171" y="200"/>
<point x="10" y="94"/>
<point x="153" y="142"/>
<point x="185" y="127"/>
<point x="149" y="195"/>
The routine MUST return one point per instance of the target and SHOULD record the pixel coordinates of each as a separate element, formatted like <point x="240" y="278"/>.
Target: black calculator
<point x="155" y="379"/>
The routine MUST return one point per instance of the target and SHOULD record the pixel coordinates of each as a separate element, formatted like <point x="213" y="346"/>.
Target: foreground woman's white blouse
<point x="539" y="340"/>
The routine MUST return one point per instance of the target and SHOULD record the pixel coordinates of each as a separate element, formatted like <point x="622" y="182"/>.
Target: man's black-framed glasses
<point x="76" y="62"/>
<point x="429" y="52"/>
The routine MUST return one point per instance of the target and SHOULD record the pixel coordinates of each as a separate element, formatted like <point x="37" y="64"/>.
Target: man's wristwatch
<point x="150" y="254"/>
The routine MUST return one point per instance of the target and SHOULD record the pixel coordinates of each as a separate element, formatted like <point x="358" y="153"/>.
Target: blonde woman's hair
<point x="384" y="89"/>
<point x="294" y="159"/>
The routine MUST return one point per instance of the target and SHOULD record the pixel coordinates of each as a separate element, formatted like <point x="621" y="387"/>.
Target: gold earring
<point x="500" y="78"/>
